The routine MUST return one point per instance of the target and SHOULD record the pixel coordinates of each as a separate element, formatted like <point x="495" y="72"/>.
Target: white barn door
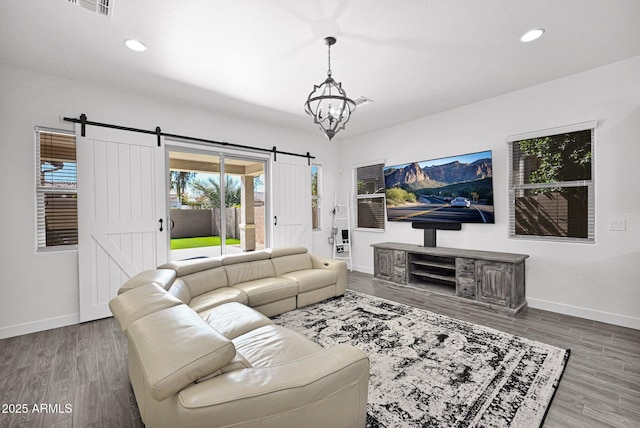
<point x="121" y="200"/>
<point x="291" y="198"/>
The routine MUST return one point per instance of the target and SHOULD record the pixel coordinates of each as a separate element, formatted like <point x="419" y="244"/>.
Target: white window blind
<point x="369" y="202"/>
<point x="56" y="189"/>
<point x="551" y="191"/>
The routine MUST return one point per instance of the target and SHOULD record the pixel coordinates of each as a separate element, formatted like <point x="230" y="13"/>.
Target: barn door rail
<point x="82" y="120"/>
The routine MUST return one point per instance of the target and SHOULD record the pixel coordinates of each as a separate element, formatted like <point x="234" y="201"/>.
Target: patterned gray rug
<point x="429" y="370"/>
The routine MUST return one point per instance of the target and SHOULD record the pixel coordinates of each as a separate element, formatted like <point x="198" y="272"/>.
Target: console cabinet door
<point x="383" y="264"/>
<point x="399" y="267"/>
<point x="494" y="282"/>
<point x="466" y="277"/>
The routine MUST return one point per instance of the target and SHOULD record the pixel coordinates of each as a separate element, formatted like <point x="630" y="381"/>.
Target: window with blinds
<point x="56" y="189"/>
<point x="369" y="204"/>
<point x="552" y="187"/>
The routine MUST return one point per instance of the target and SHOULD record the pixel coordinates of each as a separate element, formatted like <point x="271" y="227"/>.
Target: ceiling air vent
<point x="102" y="7"/>
<point x="360" y="101"/>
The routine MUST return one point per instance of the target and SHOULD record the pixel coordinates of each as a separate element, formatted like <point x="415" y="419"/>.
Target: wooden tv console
<point x="492" y="279"/>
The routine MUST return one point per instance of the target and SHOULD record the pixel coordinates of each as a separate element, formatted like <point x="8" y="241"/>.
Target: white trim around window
<point x="552" y="184"/>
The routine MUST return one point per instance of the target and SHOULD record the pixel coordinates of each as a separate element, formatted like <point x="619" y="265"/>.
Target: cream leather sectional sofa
<point x="203" y="352"/>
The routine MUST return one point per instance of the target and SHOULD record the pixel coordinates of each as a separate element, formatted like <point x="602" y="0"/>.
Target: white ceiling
<point x="260" y="59"/>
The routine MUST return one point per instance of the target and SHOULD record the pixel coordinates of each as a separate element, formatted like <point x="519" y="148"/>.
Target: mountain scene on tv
<point x="457" y="189"/>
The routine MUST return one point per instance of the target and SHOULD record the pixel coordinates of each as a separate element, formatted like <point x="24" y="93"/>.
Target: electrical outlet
<point x="618" y="224"/>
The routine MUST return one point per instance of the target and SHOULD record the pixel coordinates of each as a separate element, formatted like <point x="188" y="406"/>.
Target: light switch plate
<point x="618" y="224"/>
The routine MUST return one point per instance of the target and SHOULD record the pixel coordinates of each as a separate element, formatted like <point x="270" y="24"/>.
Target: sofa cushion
<point x="267" y="290"/>
<point x="312" y="279"/>
<point x="187" y="267"/>
<point x="218" y="297"/>
<point x="175" y="347"/>
<point x="286" y="264"/>
<point x="180" y="290"/>
<point x="286" y="251"/>
<point x="250" y="256"/>
<point x="234" y="319"/>
<point x="139" y="302"/>
<point x="237" y="363"/>
<point x="161" y="277"/>
<point x="205" y="281"/>
<point x="243" y="272"/>
<point x="272" y="345"/>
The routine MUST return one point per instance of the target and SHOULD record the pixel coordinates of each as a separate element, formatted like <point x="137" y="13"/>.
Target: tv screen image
<point x="455" y="189"/>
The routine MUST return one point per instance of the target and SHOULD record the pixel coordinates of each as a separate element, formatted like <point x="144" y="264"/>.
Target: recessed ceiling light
<point x="135" y="45"/>
<point x="532" y="35"/>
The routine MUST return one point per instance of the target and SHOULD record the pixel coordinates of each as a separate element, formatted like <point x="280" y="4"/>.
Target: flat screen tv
<point x="455" y="189"/>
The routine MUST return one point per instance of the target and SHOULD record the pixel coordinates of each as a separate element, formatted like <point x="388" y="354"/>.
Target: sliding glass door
<point x="217" y="203"/>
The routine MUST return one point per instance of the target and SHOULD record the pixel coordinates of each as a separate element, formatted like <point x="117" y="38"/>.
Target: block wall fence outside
<point x="205" y="222"/>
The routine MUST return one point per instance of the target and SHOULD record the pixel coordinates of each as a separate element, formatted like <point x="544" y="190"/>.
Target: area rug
<point x="429" y="370"/>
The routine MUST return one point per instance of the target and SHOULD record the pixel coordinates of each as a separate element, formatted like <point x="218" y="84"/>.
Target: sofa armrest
<point x="328" y="388"/>
<point x="139" y="302"/>
<point x="338" y="266"/>
<point x="174" y="347"/>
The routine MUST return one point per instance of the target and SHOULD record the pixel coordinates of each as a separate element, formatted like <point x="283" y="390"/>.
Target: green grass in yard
<point x="201" y="241"/>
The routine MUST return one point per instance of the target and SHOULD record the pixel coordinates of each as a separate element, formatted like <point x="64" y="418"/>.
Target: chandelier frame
<point x="328" y="102"/>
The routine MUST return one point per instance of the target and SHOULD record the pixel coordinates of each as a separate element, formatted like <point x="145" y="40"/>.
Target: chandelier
<point x="328" y="103"/>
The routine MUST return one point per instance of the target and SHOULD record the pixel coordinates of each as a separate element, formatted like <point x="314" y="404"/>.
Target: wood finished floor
<point x="85" y="366"/>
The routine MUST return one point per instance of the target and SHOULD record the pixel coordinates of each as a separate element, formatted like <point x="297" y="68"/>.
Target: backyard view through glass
<point x="217" y="204"/>
<point x="200" y="241"/>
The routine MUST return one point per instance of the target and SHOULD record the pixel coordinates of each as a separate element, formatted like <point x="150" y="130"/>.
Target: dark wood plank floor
<point x="73" y="376"/>
<point x="79" y="373"/>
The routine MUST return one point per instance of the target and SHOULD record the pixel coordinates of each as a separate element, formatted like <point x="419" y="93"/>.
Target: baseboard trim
<point x="561" y="308"/>
<point x="590" y="314"/>
<point x="40" y="325"/>
<point x="363" y="269"/>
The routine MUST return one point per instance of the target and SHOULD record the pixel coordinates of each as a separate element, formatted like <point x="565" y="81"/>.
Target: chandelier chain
<point x="329" y="60"/>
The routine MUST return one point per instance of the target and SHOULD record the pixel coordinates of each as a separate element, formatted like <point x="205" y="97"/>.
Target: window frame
<point x="42" y="190"/>
<point x="514" y="188"/>
<point x="376" y="195"/>
<point x="317" y="198"/>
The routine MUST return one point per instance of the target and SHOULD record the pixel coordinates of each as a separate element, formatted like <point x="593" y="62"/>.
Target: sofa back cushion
<point x="180" y="290"/>
<point x="204" y="281"/>
<point x="249" y="271"/>
<point x="186" y="267"/>
<point x="249" y="256"/>
<point x="286" y="251"/>
<point x="286" y="264"/>
<point x="174" y="347"/>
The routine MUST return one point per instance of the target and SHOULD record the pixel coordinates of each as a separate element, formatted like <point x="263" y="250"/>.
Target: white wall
<point x="597" y="281"/>
<point x="40" y="290"/>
